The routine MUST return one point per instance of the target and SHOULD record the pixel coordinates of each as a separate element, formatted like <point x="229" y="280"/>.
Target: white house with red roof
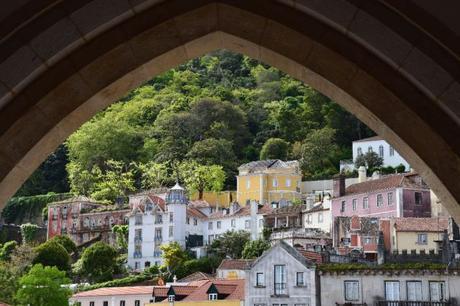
<point x="114" y="296"/>
<point x="157" y="219"/>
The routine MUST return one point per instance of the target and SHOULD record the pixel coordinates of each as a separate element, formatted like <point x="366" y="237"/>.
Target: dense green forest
<point x="221" y="109"/>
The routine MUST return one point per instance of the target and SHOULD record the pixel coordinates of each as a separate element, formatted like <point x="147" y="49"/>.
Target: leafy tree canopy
<point x="370" y="160"/>
<point x="66" y="242"/>
<point x="42" y="286"/>
<point x="230" y="244"/>
<point x="255" y="248"/>
<point x="274" y="148"/>
<point x="98" y="262"/>
<point x="52" y="253"/>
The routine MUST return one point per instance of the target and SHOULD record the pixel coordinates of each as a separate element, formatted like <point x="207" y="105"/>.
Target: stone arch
<point x="61" y="63"/>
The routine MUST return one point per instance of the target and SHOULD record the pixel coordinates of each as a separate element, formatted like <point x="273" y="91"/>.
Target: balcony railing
<point x="280" y="289"/>
<point x="412" y="303"/>
<point x="137" y="255"/>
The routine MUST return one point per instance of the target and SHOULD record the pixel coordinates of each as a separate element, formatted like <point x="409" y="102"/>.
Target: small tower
<point x="176" y="202"/>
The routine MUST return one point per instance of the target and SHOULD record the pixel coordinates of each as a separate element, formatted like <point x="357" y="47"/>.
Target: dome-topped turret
<point x="176" y="195"/>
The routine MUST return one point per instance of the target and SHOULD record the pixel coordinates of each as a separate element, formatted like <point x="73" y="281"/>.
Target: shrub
<point x="52" y="253"/>
<point x="66" y="242"/>
<point x="98" y="262"/>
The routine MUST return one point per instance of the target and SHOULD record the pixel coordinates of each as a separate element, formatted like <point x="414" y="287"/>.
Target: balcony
<point x="137" y="255"/>
<point x="412" y="303"/>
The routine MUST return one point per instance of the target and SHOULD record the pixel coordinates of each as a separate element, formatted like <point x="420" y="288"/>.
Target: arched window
<point x="392" y="151"/>
<point x="360" y="151"/>
<point x="381" y="151"/>
<point x="369" y="149"/>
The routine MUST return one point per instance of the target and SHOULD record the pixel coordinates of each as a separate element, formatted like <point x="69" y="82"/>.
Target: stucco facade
<point x="281" y="276"/>
<point x="376" y="144"/>
<point x="268" y="181"/>
<point x="131" y="296"/>
<point x="371" y="286"/>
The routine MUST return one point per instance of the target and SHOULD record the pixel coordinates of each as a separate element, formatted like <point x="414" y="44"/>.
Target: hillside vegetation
<point x="221" y="109"/>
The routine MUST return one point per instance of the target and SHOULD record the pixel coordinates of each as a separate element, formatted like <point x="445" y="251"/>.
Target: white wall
<point x="388" y="160"/>
<point x="113" y="300"/>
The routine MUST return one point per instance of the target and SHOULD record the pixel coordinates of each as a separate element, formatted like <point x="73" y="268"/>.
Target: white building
<point x="161" y="219"/>
<point x="319" y="216"/>
<point x="378" y="145"/>
<point x="128" y="296"/>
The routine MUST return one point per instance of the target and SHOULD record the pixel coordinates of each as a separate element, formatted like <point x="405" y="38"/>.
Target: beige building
<point x="269" y="181"/>
<point x="370" y="286"/>
<point x="319" y="216"/>
<point x="419" y="234"/>
<point x="233" y="268"/>
<point x="114" y="296"/>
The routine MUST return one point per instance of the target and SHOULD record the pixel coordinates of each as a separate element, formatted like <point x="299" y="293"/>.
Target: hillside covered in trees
<point x="222" y="109"/>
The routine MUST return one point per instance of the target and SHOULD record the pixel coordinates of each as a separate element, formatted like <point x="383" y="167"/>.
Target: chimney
<point x="310" y="201"/>
<point x="338" y="186"/>
<point x="376" y="175"/>
<point x="361" y="174"/>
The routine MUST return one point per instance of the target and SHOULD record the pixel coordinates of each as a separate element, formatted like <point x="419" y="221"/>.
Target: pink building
<point x="83" y="220"/>
<point x="396" y="195"/>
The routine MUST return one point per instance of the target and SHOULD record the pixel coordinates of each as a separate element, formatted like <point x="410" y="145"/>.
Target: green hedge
<point x="133" y="279"/>
<point x="22" y="209"/>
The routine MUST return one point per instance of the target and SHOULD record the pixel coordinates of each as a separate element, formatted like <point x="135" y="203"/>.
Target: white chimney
<point x="361" y="174"/>
<point x="376" y="175"/>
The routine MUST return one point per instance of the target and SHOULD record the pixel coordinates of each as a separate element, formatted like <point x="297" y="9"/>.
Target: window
<point x="122" y="303"/>
<point x="158" y="219"/>
<point x="437" y="291"/>
<point x="170" y="298"/>
<point x="138" y="235"/>
<point x="171" y="231"/>
<point x="379" y="200"/>
<point x="414" y="290"/>
<point x="391" y="290"/>
<point x="342" y="209"/>
<point x="365" y="203"/>
<point x="280" y="279"/>
<point x="247" y="224"/>
<point x="369" y="149"/>
<point x="147" y="264"/>
<point x="138" y="220"/>
<point x="390" y="198"/>
<point x="260" y="279"/>
<point x="233" y="223"/>
<point x="422" y="238"/>
<point x="213" y="296"/>
<point x="354" y="204"/>
<point x="91" y="303"/>
<point x="187" y="220"/>
<point x="171" y="217"/>
<point x="275" y="182"/>
<point x="210" y="238"/>
<point x="309" y="219"/>
<point x="158" y="234"/>
<point x="320" y="217"/>
<point x="392" y="151"/>
<point x="219" y="224"/>
<point x="248" y="184"/>
<point x="105" y="303"/>
<point x="351" y="290"/>
<point x="261" y="223"/>
<point x="381" y="151"/>
<point x="300" y="279"/>
<point x="418" y="198"/>
<point x="360" y="152"/>
<point x="195" y="221"/>
<point x="137" y="303"/>
<point x="209" y="225"/>
<point x="367" y="240"/>
<point x="288" y="182"/>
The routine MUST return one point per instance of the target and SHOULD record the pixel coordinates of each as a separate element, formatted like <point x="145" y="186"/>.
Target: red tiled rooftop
<point x="235" y="264"/>
<point x="384" y="183"/>
<point x="243" y="211"/>
<point x="157" y="201"/>
<point x="134" y="290"/>
<point x="191" y="211"/>
<point x="421" y="224"/>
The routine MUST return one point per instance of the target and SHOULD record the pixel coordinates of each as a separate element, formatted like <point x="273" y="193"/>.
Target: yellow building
<point x="268" y="181"/>
<point x="216" y="199"/>
<point x="417" y="234"/>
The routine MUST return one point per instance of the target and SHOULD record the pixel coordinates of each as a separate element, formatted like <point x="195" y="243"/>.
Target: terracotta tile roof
<point x="198" y="290"/>
<point x="243" y="211"/>
<point x="191" y="211"/>
<point x="3" y="304"/>
<point x="200" y="204"/>
<point x="385" y="183"/>
<point x="316" y="208"/>
<point x="421" y="224"/>
<point x="196" y="277"/>
<point x="110" y="291"/>
<point x="287" y="210"/>
<point x="155" y="199"/>
<point x="235" y="264"/>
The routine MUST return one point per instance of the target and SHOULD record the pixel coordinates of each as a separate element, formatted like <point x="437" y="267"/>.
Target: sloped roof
<point x="287" y="210"/>
<point x="198" y="290"/>
<point x="421" y="224"/>
<point x="157" y="200"/>
<point x="235" y="264"/>
<point x="307" y="262"/>
<point x="191" y="211"/>
<point x="243" y="211"/>
<point x="386" y="182"/>
<point x="199" y="204"/>
<point x="316" y="208"/>
<point x="261" y="165"/>
<point x="196" y="277"/>
<point x="110" y="291"/>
